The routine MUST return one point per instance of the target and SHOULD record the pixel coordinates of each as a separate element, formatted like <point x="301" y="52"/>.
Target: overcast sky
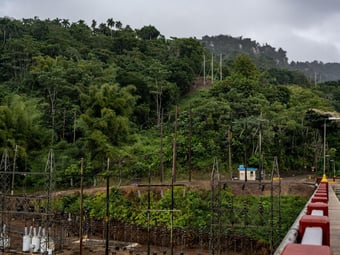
<point x="307" y="29"/>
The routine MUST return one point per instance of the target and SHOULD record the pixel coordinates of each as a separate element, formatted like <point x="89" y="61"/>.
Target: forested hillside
<point x="110" y="91"/>
<point x="266" y="56"/>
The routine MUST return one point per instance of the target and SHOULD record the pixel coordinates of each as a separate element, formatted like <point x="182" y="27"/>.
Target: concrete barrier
<point x="306" y="249"/>
<point x="310" y="233"/>
<point x="316" y="221"/>
<point x="317" y="206"/>
<point x="319" y="199"/>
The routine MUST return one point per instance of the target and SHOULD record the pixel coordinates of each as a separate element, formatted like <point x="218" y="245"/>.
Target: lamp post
<point x="324" y="177"/>
<point x="333" y="165"/>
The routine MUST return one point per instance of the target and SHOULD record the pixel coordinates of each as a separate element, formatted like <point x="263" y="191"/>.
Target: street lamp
<point x="324" y="177"/>
<point x="333" y="164"/>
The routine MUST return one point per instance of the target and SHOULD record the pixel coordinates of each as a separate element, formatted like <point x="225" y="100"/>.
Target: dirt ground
<point x="302" y="185"/>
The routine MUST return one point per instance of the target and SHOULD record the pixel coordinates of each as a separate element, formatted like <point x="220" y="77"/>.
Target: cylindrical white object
<point x="35" y="241"/>
<point x="26" y="240"/>
<point x="26" y="243"/>
<point x="43" y="242"/>
<point x="6" y="242"/>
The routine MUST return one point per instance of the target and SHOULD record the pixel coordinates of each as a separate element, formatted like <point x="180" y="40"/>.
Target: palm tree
<point x="65" y="22"/>
<point x="119" y="25"/>
<point x="110" y="22"/>
<point x="56" y="21"/>
<point x="93" y="26"/>
<point x="103" y="29"/>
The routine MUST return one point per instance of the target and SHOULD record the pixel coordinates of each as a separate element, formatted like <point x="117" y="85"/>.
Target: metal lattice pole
<point x="275" y="197"/>
<point x="215" y="226"/>
<point x="49" y="188"/>
<point x="5" y="187"/>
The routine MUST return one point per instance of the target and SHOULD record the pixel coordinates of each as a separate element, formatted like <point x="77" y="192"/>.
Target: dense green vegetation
<point x="108" y="91"/>
<point x="250" y="215"/>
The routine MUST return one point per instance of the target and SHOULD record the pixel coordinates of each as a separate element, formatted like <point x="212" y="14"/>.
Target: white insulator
<point x="39" y="231"/>
<point x="43" y="242"/>
<point x="5" y="240"/>
<point x="26" y="243"/>
<point x="35" y="241"/>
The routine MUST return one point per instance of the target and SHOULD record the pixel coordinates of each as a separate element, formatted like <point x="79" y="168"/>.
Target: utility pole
<point x="212" y="68"/>
<point x="81" y="207"/>
<point x="14" y="165"/>
<point x="204" y="70"/>
<point x="324" y="151"/>
<point x="161" y="150"/>
<point x="149" y="207"/>
<point x="190" y="142"/>
<point x="261" y="171"/>
<point x="260" y="152"/>
<point x="174" y="146"/>
<point x="230" y="137"/>
<point x="107" y="216"/>
<point x="221" y="66"/>
<point x="74" y="126"/>
<point x="245" y="152"/>
<point x="173" y="180"/>
<point x="315" y="79"/>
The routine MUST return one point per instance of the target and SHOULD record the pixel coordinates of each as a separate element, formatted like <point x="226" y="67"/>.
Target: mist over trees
<point x="266" y="56"/>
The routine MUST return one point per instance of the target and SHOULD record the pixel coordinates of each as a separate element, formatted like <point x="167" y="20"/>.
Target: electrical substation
<point x="29" y="225"/>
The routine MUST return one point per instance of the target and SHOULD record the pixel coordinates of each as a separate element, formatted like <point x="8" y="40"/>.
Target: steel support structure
<point x="36" y="209"/>
<point x="232" y="221"/>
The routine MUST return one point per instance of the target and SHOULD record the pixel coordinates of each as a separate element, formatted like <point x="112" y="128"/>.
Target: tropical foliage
<point x="109" y="91"/>
<point x="189" y="210"/>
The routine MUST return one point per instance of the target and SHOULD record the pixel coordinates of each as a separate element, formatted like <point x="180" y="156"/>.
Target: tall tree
<point x="156" y="78"/>
<point x="111" y="23"/>
<point x="148" y="33"/>
<point x="119" y="25"/>
<point x="65" y="23"/>
<point x="93" y="26"/>
<point x="105" y="121"/>
<point x="21" y="124"/>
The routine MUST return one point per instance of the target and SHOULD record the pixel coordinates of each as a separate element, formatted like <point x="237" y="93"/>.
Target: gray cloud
<point x="306" y="29"/>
